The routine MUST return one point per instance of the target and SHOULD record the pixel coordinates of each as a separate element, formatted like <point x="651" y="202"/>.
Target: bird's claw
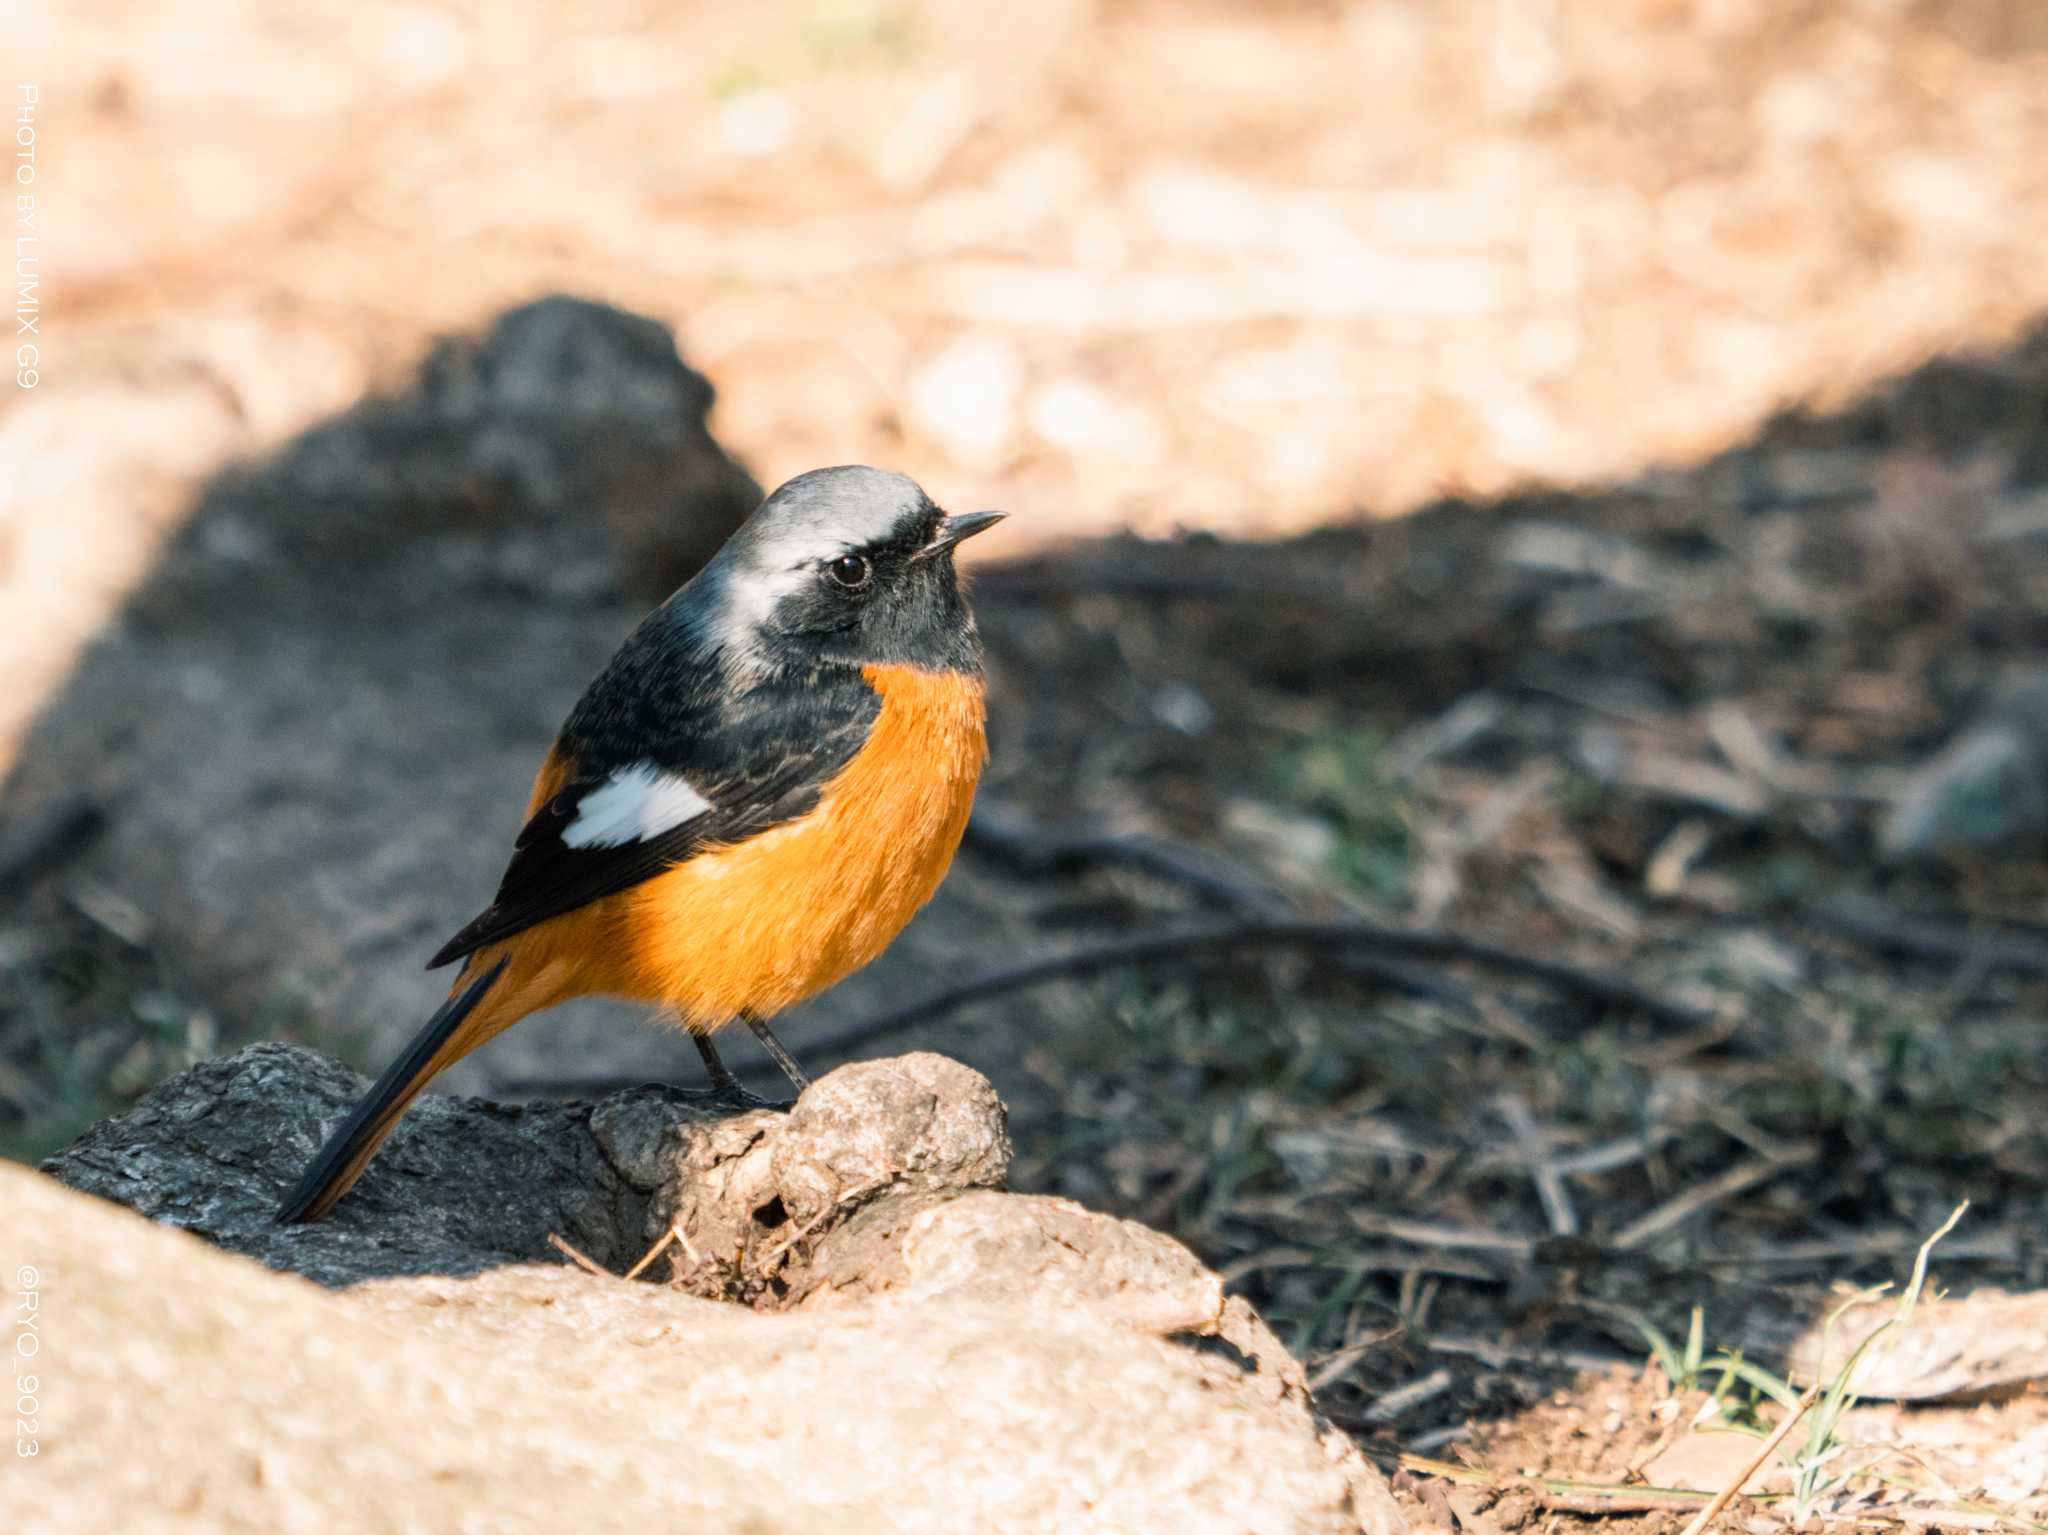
<point x="727" y="1094"/>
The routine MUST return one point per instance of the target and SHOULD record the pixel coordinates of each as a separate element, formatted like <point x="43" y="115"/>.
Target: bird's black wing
<point x="755" y="759"/>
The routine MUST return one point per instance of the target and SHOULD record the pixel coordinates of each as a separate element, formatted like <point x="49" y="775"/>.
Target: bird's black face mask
<point x="896" y="601"/>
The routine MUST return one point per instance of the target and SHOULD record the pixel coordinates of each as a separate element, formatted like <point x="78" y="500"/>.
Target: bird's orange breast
<point x="760" y="925"/>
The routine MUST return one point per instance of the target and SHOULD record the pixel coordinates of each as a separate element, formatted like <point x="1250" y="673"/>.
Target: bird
<point x="753" y="797"/>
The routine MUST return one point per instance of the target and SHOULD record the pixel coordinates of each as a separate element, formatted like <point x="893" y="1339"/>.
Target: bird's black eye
<point x="850" y="572"/>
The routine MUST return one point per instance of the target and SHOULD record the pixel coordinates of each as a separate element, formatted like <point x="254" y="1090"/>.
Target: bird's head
<point x="848" y="566"/>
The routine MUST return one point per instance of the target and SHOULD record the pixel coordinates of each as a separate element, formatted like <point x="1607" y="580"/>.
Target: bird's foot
<point x="732" y="1094"/>
<point x="729" y="1095"/>
<point x="725" y="1091"/>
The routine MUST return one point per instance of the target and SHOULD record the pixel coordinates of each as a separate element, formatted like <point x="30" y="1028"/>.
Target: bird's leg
<point x="774" y="1047"/>
<point x="725" y="1087"/>
<point x="723" y="1082"/>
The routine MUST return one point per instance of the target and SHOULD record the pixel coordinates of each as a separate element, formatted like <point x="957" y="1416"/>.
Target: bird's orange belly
<point x="756" y="927"/>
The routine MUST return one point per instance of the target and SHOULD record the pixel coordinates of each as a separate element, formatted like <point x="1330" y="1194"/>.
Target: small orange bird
<point x="747" y="805"/>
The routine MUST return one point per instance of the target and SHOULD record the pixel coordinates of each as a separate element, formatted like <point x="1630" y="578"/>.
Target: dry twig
<point x="1769" y="1447"/>
<point x="1550" y="1189"/>
<point x="668" y="1236"/>
<point x="1675" y="1212"/>
<point x="588" y="1265"/>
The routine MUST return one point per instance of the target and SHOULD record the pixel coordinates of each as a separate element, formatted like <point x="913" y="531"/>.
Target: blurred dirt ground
<point x="1235" y="266"/>
<point x="1246" y="269"/>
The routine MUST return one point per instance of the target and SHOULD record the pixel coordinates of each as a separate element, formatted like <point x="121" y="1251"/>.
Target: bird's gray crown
<point x="827" y="512"/>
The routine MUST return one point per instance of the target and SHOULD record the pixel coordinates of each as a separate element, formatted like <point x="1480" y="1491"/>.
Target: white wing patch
<point x="637" y="803"/>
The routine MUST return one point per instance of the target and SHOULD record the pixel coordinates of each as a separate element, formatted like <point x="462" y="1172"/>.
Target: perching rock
<point x="921" y="1122"/>
<point x="461" y="1186"/>
<point x="1985" y="791"/>
<point x="917" y="1351"/>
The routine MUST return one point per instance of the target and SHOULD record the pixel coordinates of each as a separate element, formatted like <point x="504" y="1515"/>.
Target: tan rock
<point x="847" y="1325"/>
<point x="191" y="1389"/>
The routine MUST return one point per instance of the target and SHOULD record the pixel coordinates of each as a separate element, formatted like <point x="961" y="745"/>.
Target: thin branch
<point x="1437" y="1235"/>
<point x="1216" y="938"/>
<point x="587" y="1264"/>
<point x="1923" y="938"/>
<point x="1495" y="1355"/>
<point x="1676" y="1212"/>
<point x="1391" y="1406"/>
<point x="1008" y="836"/>
<point x="1550" y="1189"/>
<point x="674" y="1231"/>
<point x="1342" y="937"/>
<point x="1036" y="851"/>
<point x="1012" y="837"/>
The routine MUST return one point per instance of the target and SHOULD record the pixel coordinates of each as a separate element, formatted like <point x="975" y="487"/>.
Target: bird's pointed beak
<point x="953" y="529"/>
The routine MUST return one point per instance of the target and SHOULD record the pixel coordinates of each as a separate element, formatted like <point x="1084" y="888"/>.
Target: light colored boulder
<point x="849" y="1328"/>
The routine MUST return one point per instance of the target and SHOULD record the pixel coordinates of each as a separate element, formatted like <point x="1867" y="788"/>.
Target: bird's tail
<point x="454" y="1030"/>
